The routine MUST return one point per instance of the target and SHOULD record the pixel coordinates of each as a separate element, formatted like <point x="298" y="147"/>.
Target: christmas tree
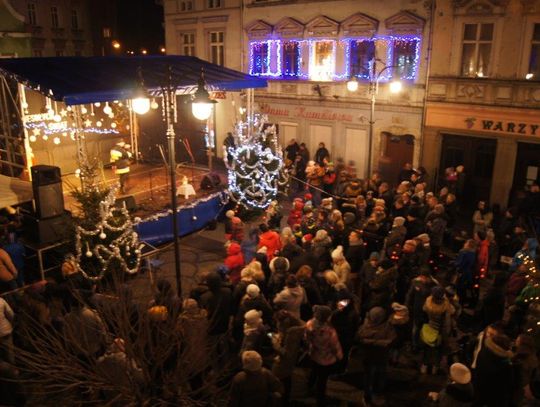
<point x="255" y="167"/>
<point x="105" y="241"/>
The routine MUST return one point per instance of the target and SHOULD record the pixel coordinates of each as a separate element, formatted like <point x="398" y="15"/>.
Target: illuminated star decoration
<point x="255" y="171"/>
<point x="36" y="132"/>
<point x="87" y="123"/>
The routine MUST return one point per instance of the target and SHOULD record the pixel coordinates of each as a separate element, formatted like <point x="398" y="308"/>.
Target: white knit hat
<point x="337" y="254"/>
<point x="398" y="221"/>
<point x="253" y="290"/>
<point x="251" y="361"/>
<point x="253" y="317"/>
<point x="460" y="373"/>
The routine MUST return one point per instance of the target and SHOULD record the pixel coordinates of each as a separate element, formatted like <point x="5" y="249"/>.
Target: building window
<point x="476" y="53"/>
<point x="405" y="53"/>
<point x="323" y="60"/>
<point x="534" y="60"/>
<point x="260" y="58"/>
<point x="186" y="6"/>
<point x="188" y="44"/>
<point x="291" y="56"/>
<point x="54" y="17"/>
<point x="217" y="47"/>
<point x="32" y="20"/>
<point x="214" y="3"/>
<point x="74" y="19"/>
<point x="59" y="53"/>
<point x="362" y="52"/>
<point x="37" y="53"/>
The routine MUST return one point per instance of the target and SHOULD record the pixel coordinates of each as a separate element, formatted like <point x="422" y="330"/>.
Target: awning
<point x="14" y="191"/>
<point x="78" y="80"/>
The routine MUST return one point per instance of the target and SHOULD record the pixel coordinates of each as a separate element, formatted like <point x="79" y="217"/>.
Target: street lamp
<point x="168" y="92"/>
<point x="374" y="78"/>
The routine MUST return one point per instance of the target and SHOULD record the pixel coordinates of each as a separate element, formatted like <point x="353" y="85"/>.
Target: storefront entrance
<point x="527" y="167"/>
<point x="477" y="155"/>
<point x="398" y="150"/>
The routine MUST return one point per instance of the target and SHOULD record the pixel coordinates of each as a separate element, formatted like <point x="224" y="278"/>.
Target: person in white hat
<point x="459" y="391"/>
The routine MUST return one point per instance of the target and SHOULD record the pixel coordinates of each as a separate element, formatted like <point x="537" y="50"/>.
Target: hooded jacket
<point x="291" y="299"/>
<point x="234" y="261"/>
<point x="439" y="315"/>
<point x="376" y="335"/>
<point x="494" y="378"/>
<point x="271" y="241"/>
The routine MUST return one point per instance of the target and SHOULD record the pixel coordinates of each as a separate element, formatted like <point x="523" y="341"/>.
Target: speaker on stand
<point x="47" y="188"/>
<point x="50" y="222"/>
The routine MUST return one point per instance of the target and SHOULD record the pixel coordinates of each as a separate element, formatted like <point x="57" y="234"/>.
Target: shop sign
<point x="502" y="126"/>
<point x="304" y="113"/>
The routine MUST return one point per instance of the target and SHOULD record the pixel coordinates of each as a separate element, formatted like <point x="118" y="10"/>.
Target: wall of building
<point x="464" y="103"/>
<point x="64" y="40"/>
<point x="14" y="41"/>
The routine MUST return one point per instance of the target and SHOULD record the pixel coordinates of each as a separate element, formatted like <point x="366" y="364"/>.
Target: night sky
<point x="140" y="25"/>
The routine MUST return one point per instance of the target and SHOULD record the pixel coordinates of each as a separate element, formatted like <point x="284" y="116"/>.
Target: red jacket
<point x="272" y="243"/>
<point x="234" y="261"/>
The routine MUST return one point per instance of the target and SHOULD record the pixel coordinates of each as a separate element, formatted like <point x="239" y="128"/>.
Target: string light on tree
<point x="105" y="239"/>
<point x="255" y="171"/>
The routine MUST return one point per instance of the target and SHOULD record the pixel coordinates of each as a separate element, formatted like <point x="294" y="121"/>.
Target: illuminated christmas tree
<point x="105" y="241"/>
<point x="256" y="172"/>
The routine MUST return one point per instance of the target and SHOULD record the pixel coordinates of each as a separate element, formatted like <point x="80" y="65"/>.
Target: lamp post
<point x="374" y="78"/>
<point x="168" y="92"/>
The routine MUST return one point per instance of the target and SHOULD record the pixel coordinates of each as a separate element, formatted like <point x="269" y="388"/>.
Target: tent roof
<point x="78" y="80"/>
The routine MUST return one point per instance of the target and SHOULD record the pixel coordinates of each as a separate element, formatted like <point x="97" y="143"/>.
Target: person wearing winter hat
<point x="279" y="266"/>
<point x="252" y="300"/>
<point x="254" y="385"/>
<point x="234" y="262"/>
<point x="375" y="335"/>
<point x="270" y="239"/>
<point x="459" y="390"/>
<point x="254" y="332"/>
<point x="439" y="312"/>
<point x="419" y="291"/>
<point x="291" y="297"/>
<point x="341" y="266"/>
<point x="494" y="378"/>
<point x="324" y="350"/>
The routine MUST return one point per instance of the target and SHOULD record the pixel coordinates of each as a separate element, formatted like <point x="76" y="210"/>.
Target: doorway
<point x="477" y="155"/>
<point x="320" y="134"/>
<point x="398" y="150"/>
<point x="527" y="169"/>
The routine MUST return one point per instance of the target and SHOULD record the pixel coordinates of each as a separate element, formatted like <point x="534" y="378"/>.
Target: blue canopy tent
<point x="85" y="80"/>
<point x="78" y="80"/>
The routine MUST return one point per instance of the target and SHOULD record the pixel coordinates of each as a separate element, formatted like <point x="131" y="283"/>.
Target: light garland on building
<point x="46" y="129"/>
<point x="256" y="170"/>
<point x="125" y="246"/>
<point x="327" y="71"/>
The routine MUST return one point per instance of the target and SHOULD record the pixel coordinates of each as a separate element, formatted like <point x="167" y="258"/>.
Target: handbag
<point x="430" y="336"/>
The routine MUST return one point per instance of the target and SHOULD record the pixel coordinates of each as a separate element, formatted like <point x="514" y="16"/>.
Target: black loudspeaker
<point x="131" y="205"/>
<point x="47" y="188"/>
<point x="211" y="181"/>
<point x="45" y="231"/>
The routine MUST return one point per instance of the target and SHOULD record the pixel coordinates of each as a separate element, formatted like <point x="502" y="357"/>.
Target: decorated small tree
<point x="255" y="167"/>
<point x="105" y="240"/>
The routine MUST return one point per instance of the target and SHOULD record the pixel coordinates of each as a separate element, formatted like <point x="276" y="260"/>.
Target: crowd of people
<point x="378" y="272"/>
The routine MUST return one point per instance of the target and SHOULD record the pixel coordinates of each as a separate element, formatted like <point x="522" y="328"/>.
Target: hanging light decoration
<point x="154" y="105"/>
<point x="107" y="109"/>
<point x="140" y="103"/>
<point x="56" y="140"/>
<point x="32" y="138"/>
<point x="202" y="105"/>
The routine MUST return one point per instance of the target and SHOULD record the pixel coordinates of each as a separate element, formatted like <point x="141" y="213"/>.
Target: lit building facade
<point x="308" y="50"/>
<point x="484" y="95"/>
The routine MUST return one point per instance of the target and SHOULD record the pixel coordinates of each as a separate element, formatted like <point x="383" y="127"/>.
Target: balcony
<point x="485" y="91"/>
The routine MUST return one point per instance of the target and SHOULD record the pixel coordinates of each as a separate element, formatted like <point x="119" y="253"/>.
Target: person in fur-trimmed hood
<point x="494" y="375"/>
<point x="439" y="312"/>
